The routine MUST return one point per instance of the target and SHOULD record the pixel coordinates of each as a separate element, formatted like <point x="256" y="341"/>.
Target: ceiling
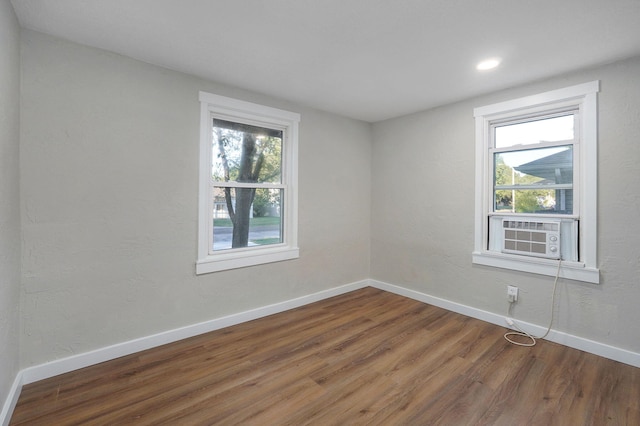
<point x="365" y="59"/>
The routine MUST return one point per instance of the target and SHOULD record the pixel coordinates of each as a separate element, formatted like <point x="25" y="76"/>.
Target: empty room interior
<point x="319" y="212"/>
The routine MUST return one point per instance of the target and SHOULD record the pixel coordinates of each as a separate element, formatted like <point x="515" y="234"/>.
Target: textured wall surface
<point x="9" y="197"/>
<point x="110" y="190"/>
<point x="423" y="227"/>
<point x="109" y="155"/>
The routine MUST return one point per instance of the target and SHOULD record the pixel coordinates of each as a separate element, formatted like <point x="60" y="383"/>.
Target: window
<point x="536" y="171"/>
<point x="248" y="184"/>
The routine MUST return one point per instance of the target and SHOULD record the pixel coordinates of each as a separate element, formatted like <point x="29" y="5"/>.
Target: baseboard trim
<point x="75" y="362"/>
<point x="11" y="401"/>
<point x="572" y="341"/>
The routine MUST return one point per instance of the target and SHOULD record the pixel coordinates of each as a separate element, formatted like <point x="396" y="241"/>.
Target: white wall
<point x="422" y="214"/>
<point x="109" y="157"/>
<point x="108" y="169"/>
<point x="9" y="197"/>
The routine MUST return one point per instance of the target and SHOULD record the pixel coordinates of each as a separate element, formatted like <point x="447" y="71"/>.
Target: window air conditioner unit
<point x="536" y="237"/>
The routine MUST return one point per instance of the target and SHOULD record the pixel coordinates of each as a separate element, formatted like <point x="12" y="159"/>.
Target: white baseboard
<point x="11" y="401"/>
<point x="65" y="365"/>
<point x="591" y="346"/>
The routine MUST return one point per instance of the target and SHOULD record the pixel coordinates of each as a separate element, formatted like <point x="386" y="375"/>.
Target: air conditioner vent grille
<point x="531" y="238"/>
<point x="539" y="226"/>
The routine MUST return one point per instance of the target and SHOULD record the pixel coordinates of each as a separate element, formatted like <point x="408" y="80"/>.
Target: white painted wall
<point x="109" y="157"/>
<point x="9" y="197"/>
<point x="422" y="213"/>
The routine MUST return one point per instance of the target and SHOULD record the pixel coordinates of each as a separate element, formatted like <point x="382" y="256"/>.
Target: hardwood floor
<point x="366" y="357"/>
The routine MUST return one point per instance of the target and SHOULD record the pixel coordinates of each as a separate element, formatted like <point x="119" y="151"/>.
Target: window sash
<point x="259" y="235"/>
<point x="233" y="151"/>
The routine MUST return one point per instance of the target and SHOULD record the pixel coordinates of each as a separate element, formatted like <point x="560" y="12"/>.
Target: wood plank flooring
<point x="364" y="358"/>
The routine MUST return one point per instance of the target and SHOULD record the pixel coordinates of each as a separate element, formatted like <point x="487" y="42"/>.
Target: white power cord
<point x="523" y="333"/>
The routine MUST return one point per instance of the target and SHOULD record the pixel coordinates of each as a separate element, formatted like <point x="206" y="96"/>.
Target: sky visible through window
<point x="520" y="135"/>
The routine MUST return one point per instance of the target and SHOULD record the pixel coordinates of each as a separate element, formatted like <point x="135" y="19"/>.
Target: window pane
<point x="532" y="132"/>
<point x="558" y="201"/>
<point x="246" y="217"/>
<point x="544" y="166"/>
<point x="245" y="153"/>
<point x="548" y="170"/>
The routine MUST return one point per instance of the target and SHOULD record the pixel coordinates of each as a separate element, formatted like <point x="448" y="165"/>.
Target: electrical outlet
<point x="512" y="293"/>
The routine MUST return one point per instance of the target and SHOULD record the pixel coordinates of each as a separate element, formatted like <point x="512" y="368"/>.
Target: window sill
<point x="570" y="270"/>
<point x="244" y="258"/>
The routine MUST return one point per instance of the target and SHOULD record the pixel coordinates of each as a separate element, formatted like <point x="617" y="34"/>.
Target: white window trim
<point x="233" y="109"/>
<point x="583" y="96"/>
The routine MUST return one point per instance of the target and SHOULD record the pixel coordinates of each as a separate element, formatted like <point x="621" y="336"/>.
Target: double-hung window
<point x="536" y="171"/>
<point x="248" y="184"/>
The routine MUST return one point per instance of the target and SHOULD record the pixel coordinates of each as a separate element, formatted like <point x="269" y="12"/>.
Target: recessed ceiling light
<point x="488" y="64"/>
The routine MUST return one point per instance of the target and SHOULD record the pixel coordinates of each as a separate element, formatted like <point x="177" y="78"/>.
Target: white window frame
<point x="583" y="97"/>
<point x="230" y="109"/>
